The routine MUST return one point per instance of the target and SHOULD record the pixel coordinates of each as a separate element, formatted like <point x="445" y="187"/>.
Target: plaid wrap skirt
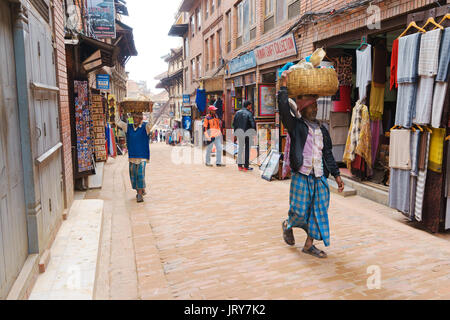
<point x="309" y="200"/>
<point x="137" y="175"/>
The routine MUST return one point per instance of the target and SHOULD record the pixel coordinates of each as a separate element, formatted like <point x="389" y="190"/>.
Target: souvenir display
<point x="82" y="125"/>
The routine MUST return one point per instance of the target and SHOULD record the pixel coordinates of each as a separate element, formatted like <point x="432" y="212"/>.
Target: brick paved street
<point x="215" y="233"/>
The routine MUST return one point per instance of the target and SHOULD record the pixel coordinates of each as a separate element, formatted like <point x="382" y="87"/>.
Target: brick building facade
<point x="313" y="24"/>
<point x="64" y="112"/>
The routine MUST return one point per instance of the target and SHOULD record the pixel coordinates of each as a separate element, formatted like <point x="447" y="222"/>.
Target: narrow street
<point x="215" y="233"/>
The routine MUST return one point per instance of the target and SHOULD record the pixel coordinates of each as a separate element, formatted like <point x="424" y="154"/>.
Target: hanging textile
<point x="447" y="189"/>
<point x="407" y="76"/>
<point x="424" y="101"/>
<point x="363" y="70"/>
<point x="408" y="51"/>
<point x="406" y="104"/>
<point x="83" y="124"/>
<point x="441" y="85"/>
<point x="427" y="69"/>
<point x="440" y="91"/>
<point x="376" y="131"/>
<point x="394" y="65"/>
<point x="376" y="101"/>
<point x="399" y="149"/>
<point x="424" y="149"/>
<point x="444" y="57"/>
<point x="436" y="150"/>
<point x="379" y="63"/>
<point x="415" y="140"/>
<point x="399" y="190"/>
<point x="200" y="100"/>
<point x="429" y="53"/>
<point x="359" y="136"/>
<point x="344" y="70"/>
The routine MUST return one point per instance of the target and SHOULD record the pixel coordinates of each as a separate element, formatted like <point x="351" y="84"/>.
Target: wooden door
<point x="13" y="225"/>
<point x="45" y="107"/>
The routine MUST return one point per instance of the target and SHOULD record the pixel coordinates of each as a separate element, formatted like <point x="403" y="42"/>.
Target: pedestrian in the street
<point x="212" y="127"/>
<point x="311" y="161"/>
<point x="244" y="129"/>
<point x="138" y="138"/>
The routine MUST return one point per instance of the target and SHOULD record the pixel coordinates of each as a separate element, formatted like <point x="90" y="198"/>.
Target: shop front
<point x="390" y="97"/>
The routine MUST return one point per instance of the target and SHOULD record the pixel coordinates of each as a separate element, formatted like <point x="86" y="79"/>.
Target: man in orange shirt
<point x="212" y="126"/>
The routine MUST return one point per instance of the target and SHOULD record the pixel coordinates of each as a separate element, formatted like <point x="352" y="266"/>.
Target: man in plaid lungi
<point x="138" y="139"/>
<point x="311" y="161"/>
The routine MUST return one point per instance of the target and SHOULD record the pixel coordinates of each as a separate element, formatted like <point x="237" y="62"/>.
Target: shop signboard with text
<point x="102" y="18"/>
<point x="244" y="62"/>
<point x="276" y="50"/>
<point x="103" y="81"/>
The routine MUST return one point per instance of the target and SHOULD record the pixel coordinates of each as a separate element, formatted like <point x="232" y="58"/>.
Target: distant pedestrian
<point x="311" y="161"/>
<point x="212" y="128"/>
<point x="244" y="129"/>
<point x="138" y="138"/>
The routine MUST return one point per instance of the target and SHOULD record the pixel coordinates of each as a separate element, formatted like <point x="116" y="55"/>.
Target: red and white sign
<point x="276" y="50"/>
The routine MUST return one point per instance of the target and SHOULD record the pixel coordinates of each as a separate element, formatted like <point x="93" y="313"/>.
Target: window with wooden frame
<point x="206" y="51"/>
<point x="206" y="9"/>
<point x="198" y="14"/>
<point x="192" y="25"/>
<point x="212" y="6"/>
<point x="228" y="30"/>
<point x="293" y="9"/>
<point x="199" y="66"/>
<point x="213" y="54"/>
<point x="219" y="46"/>
<point x="240" y="23"/>
<point x="193" y="71"/>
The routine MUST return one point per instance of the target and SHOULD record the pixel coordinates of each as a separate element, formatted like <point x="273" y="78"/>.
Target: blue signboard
<point x="186" y="98"/>
<point x="103" y="81"/>
<point x="243" y="62"/>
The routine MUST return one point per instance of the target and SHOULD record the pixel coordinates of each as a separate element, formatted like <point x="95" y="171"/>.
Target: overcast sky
<point x="151" y="21"/>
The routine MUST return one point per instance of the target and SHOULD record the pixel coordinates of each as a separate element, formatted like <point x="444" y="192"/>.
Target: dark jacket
<point x="243" y="119"/>
<point x="298" y="131"/>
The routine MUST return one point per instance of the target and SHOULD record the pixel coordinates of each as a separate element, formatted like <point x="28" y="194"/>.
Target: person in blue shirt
<point x="138" y="139"/>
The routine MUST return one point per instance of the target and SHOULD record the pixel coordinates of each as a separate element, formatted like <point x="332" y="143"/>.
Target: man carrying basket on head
<point x="311" y="161"/>
<point x="138" y="139"/>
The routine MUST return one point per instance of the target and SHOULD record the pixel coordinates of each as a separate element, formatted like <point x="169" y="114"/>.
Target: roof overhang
<point x="186" y="5"/>
<point x="97" y="54"/>
<point x="125" y="41"/>
<point x="178" y="30"/>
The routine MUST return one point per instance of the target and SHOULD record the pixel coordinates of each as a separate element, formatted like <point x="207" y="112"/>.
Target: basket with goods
<point x="131" y="106"/>
<point x="307" y="78"/>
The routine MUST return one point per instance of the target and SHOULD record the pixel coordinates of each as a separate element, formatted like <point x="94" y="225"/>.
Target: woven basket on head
<point x="318" y="81"/>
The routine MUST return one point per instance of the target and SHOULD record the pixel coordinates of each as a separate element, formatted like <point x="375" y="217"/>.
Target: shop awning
<point x="96" y="54"/>
<point x="178" y="30"/>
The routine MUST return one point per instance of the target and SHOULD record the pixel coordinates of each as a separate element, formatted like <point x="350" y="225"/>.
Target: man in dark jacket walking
<point x="244" y="129"/>
<point x="311" y="161"/>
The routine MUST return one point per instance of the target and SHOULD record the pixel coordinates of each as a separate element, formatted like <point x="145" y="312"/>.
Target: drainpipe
<point x="33" y="206"/>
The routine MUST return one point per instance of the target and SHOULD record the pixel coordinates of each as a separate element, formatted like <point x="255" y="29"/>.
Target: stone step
<point x="348" y="191"/>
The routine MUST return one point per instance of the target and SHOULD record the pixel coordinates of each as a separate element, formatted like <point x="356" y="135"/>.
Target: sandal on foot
<point x="315" y="252"/>
<point x="288" y="235"/>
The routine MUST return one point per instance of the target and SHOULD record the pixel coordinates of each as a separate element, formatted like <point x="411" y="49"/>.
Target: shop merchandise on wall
<point x="417" y="146"/>
<point x="83" y="125"/>
<point x="98" y="117"/>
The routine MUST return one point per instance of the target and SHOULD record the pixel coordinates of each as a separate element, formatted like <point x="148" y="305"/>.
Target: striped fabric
<point x="429" y="53"/>
<point x="421" y="180"/>
<point x="309" y="201"/>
